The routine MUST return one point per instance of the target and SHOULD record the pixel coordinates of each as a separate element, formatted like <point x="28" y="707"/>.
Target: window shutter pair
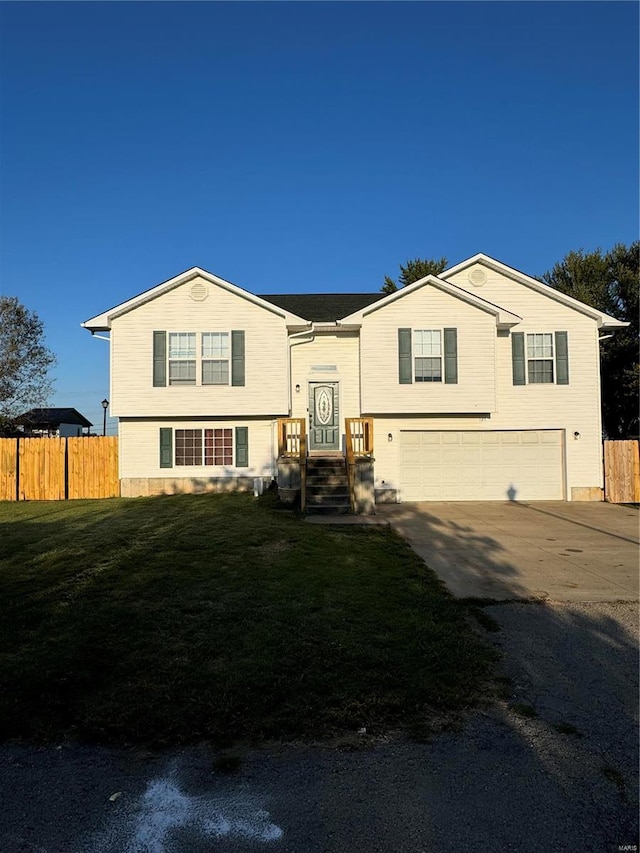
<point x="160" y="358"/>
<point x="241" y="447"/>
<point x="405" y="371"/>
<point x="519" y="361"/>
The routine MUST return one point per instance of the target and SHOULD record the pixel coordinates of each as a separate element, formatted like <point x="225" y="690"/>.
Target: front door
<point x="324" y="429"/>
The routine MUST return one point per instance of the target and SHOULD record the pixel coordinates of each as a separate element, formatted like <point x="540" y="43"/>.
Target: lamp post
<point x="105" y="406"/>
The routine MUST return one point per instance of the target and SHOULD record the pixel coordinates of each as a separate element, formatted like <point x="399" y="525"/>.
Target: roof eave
<point x="504" y="319"/>
<point x="611" y="324"/>
<point x="605" y="321"/>
<point x="102" y="322"/>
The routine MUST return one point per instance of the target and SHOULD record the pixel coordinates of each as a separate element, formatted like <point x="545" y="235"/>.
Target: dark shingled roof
<point x="53" y="418"/>
<point x="323" y="307"/>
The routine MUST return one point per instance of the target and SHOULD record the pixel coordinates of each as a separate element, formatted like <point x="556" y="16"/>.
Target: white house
<point x="64" y="422"/>
<point x="480" y="384"/>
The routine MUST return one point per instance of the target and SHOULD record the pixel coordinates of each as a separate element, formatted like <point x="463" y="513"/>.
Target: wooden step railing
<point x="292" y="443"/>
<point x="359" y="442"/>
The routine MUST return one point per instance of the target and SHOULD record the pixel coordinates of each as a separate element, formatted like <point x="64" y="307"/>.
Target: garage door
<point x="481" y="465"/>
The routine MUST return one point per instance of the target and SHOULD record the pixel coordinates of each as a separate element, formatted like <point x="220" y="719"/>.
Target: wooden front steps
<point x="327" y="486"/>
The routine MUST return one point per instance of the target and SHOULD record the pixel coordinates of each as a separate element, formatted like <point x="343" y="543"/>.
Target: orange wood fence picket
<point x="622" y="471"/>
<point x="55" y="469"/>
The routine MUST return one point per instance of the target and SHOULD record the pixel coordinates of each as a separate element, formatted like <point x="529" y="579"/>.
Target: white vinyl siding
<point x="572" y="408"/>
<point x="139" y="448"/>
<point x="265" y="392"/>
<point x="428" y="309"/>
<point x="313" y="362"/>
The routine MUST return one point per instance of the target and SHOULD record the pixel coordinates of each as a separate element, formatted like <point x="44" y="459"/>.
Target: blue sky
<point x="301" y="147"/>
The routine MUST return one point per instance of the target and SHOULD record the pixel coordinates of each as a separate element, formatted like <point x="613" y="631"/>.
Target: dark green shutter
<point x="562" y="359"/>
<point x="242" y="447"/>
<point x="166" y="447"/>
<point x="404" y="356"/>
<point x="159" y="359"/>
<point x="237" y="358"/>
<point x="517" y="358"/>
<point x="451" y="356"/>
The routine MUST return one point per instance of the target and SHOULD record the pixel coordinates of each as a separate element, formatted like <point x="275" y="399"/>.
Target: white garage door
<point x="482" y="466"/>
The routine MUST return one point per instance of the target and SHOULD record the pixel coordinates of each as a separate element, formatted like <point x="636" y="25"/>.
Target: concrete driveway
<point x="573" y="552"/>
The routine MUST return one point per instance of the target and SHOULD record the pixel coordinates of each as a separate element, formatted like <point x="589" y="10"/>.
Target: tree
<point x="24" y="360"/>
<point x="413" y="271"/>
<point x="610" y="282"/>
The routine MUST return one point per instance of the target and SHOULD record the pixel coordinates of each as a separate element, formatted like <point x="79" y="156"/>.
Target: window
<point x="188" y="447"/>
<point x="218" y="447"/>
<point x="540" y="358"/>
<point x="182" y="358"/>
<point x="193" y="447"/>
<point x="214" y="445"/>
<point x="198" y="358"/>
<point x="215" y="358"/>
<point x="427" y="355"/>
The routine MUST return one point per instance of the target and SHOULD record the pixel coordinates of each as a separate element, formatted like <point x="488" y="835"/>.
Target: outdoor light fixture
<point x="390" y="437"/>
<point x="297" y="389"/>
<point x="105" y="406"/>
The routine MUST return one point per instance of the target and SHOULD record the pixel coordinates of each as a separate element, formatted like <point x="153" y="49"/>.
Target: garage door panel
<point x="530" y="437"/>
<point x="482" y="465"/>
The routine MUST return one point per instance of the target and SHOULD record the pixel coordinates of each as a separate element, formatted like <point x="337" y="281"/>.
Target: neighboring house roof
<point x="102" y="322"/>
<point x="52" y="418"/>
<point x="605" y="321"/>
<point x="323" y="307"/>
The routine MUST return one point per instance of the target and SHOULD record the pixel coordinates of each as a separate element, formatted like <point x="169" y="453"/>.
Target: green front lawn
<point x="221" y="617"/>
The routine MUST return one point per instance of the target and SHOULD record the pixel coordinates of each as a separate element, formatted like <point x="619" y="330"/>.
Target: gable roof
<point x="504" y="318"/>
<point x="102" y="322"/>
<point x="53" y="417"/>
<point x="323" y="307"/>
<point x="605" y="321"/>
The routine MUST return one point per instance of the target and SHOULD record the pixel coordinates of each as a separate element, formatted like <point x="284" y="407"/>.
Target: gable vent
<point x="477" y="276"/>
<point x="198" y="292"/>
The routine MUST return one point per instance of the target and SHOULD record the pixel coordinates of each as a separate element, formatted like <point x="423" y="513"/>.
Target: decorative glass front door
<point x="324" y="421"/>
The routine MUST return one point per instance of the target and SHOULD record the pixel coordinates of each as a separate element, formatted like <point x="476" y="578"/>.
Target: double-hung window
<point x="540" y="358"/>
<point x="215" y="358"/>
<point x="427" y="355"/>
<point x="182" y="358"/>
<point x="198" y="358"/>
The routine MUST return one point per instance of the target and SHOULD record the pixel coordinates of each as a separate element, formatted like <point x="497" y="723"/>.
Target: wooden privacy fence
<point x="622" y="472"/>
<point x="57" y="469"/>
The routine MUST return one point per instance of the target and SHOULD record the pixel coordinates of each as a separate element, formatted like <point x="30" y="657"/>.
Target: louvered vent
<point x="198" y="292"/>
<point x="477" y="276"/>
